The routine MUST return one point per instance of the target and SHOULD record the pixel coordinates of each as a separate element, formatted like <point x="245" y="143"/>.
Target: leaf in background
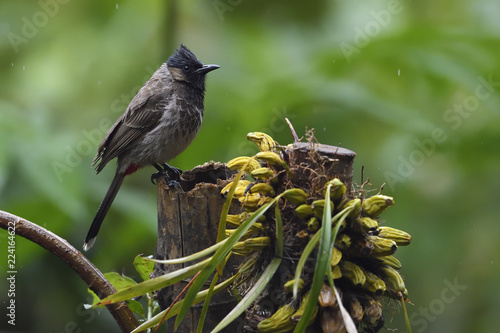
<point x="144" y="267"/>
<point x="118" y="281"/>
<point x="154" y="284"/>
<point x="136" y="307"/>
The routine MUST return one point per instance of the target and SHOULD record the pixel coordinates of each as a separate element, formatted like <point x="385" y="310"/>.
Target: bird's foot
<point x="173" y="184"/>
<point x="155" y="176"/>
<point x="173" y="172"/>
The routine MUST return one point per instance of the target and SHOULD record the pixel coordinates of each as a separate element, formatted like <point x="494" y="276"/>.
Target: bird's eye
<point x="186" y="68"/>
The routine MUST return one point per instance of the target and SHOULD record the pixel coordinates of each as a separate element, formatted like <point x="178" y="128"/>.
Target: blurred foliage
<point x="74" y="66"/>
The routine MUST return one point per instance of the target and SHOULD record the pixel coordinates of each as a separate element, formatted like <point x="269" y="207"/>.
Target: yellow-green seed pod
<point x="240" y="190"/>
<point x="240" y="249"/>
<point x="375" y="205"/>
<point x="355" y="205"/>
<point x="337" y="190"/>
<point x="240" y="162"/>
<point x="343" y="241"/>
<point x="226" y="188"/>
<point x="263" y="140"/>
<point x="257" y="243"/>
<point x="248" y="246"/>
<point x="336" y="256"/>
<point x="390" y="261"/>
<point x="279" y="322"/>
<point x="255" y="229"/>
<point x="399" y="236"/>
<point x="289" y="285"/>
<point x="381" y="246"/>
<point x="298" y="314"/>
<point x="295" y="195"/>
<point x="264" y="200"/>
<point x="262" y="173"/>
<point x="249" y="233"/>
<point x="250" y="201"/>
<point x="336" y="272"/>
<point x="304" y="210"/>
<point x="373" y="283"/>
<point x="236" y="220"/>
<point x="365" y="224"/>
<point x="394" y="282"/>
<point x="318" y="207"/>
<point x="270" y="157"/>
<point x="353" y="272"/>
<point x="313" y="224"/>
<point x="262" y="188"/>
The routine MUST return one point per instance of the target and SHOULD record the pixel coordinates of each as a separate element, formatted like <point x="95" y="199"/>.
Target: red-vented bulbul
<point x="159" y="123"/>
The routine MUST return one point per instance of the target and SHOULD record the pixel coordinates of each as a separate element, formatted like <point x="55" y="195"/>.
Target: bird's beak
<point x="207" y="68"/>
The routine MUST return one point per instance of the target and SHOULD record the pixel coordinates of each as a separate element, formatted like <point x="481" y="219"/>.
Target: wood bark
<point x="188" y="217"/>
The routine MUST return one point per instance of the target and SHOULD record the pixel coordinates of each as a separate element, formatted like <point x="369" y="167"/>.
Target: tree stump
<point x="188" y="218"/>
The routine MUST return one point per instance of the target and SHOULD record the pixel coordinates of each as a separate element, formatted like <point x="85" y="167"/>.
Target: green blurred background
<point x="402" y="83"/>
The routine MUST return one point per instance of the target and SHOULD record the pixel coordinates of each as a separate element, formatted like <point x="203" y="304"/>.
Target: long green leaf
<point x="322" y="262"/>
<point x="217" y="258"/>
<point x="251" y="295"/>
<point x="339" y="218"/>
<point x="221" y="231"/>
<point x="312" y="244"/>
<point x="302" y="260"/>
<point x="407" y="321"/>
<point x="204" y="310"/>
<point x="154" y="284"/>
<point x="191" y="257"/>
<point x="279" y="231"/>
<point x="175" y="309"/>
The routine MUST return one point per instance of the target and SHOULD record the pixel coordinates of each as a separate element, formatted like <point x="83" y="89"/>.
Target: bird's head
<point x="184" y="66"/>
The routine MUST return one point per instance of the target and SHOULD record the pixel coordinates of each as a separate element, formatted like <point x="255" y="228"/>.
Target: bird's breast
<point x="178" y="126"/>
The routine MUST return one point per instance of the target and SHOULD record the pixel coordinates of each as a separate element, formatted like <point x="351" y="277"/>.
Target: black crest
<point x="182" y="57"/>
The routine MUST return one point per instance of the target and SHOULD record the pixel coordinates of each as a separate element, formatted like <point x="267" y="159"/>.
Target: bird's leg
<point x="171" y="174"/>
<point x="161" y="173"/>
<point x="172" y="171"/>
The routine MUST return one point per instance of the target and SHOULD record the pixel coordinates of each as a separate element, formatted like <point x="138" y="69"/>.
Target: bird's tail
<point x="103" y="209"/>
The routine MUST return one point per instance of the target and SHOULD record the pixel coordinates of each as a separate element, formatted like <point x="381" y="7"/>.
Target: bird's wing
<point x="142" y="114"/>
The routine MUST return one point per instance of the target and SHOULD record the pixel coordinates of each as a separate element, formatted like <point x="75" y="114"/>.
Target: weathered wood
<point x="188" y="218"/>
<point x="316" y="163"/>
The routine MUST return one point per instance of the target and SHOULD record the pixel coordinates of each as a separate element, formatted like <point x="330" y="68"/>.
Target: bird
<point x="159" y="123"/>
